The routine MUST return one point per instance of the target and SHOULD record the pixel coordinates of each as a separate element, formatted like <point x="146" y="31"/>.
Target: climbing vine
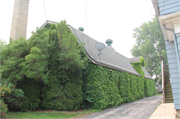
<point x="104" y="87"/>
<point x="138" y="66"/>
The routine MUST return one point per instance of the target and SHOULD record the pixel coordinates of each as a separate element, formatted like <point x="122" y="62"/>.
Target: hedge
<point x="104" y="87"/>
<point x="149" y="87"/>
<point x="54" y="73"/>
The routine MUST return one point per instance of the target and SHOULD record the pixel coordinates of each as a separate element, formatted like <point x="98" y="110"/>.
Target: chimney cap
<point x="109" y="42"/>
<point x="81" y="29"/>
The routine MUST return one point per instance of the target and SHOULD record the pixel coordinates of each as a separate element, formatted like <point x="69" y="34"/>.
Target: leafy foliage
<point x="65" y="66"/>
<point x="150" y="45"/>
<point x="4" y="88"/>
<point x="31" y="90"/>
<point x="103" y="87"/>
<point x="47" y="67"/>
<point x="9" y="94"/>
<point x="138" y="66"/>
<point x="125" y="87"/>
<point x="51" y="71"/>
<point x="149" y="87"/>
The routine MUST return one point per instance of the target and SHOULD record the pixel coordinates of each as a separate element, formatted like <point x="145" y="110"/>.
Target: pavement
<point x="140" y="109"/>
<point x="164" y="111"/>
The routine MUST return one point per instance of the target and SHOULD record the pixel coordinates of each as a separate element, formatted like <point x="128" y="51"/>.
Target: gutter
<point x="100" y="63"/>
<point x="175" y="43"/>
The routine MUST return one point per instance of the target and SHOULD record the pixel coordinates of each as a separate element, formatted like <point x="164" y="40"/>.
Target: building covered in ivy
<point x="110" y="78"/>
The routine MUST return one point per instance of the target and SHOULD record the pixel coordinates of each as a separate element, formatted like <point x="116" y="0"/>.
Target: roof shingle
<point x="108" y="57"/>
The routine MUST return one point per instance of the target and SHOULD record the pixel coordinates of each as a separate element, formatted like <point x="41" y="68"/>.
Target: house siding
<point x="173" y="71"/>
<point x="168" y="6"/>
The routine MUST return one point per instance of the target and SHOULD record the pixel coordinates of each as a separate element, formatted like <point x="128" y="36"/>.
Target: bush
<point x="53" y="71"/>
<point x="64" y="88"/>
<point x="134" y="90"/>
<point x="103" y="87"/>
<point x="4" y="89"/>
<point x="9" y="95"/>
<point x="57" y="96"/>
<point x="125" y="87"/>
<point x="140" y="87"/>
<point x="32" y="95"/>
<point x="149" y="87"/>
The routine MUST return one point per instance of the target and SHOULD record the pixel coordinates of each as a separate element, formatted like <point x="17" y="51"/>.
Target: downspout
<point x="162" y="71"/>
<point x="175" y="44"/>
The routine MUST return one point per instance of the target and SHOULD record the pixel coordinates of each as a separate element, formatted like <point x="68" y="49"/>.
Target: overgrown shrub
<point x="134" y="85"/>
<point x="9" y="95"/>
<point x="64" y="89"/>
<point x="140" y="86"/>
<point x="104" y="87"/>
<point x="101" y="87"/>
<point x="31" y="90"/>
<point x="125" y="87"/>
<point x="138" y="66"/>
<point x="53" y="71"/>
<point x="47" y="67"/>
<point x="149" y="87"/>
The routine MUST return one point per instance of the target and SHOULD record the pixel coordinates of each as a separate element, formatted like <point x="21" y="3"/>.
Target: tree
<point x="63" y="91"/>
<point x="150" y="44"/>
<point x="45" y="68"/>
<point x="2" y="44"/>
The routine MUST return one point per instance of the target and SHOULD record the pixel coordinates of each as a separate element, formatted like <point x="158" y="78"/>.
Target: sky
<point x="101" y="19"/>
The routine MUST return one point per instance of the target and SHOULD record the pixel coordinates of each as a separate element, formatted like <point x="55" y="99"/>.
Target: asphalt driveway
<point x="140" y="109"/>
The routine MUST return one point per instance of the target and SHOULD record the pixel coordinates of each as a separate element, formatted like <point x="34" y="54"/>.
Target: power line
<point x="45" y="10"/>
<point x="86" y="25"/>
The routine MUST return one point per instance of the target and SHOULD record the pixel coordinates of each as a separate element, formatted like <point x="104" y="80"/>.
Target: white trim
<point x="170" y="16"/>
<point x="177" y="28"/>
<point x="170" y="21"/>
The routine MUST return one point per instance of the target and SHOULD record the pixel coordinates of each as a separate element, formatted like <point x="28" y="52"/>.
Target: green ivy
<point x="104" y="87"/>
<point x="52" y="70"/>
<point x="125" y="87"/>
<point x="149" y="87"/>
<point x="101" y="87"/>
<point x="138" y="66"/>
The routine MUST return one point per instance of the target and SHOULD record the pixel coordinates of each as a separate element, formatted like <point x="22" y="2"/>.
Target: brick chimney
<point x="19" y="19"/>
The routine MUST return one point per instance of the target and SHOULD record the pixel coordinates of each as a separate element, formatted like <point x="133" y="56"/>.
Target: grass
<point x="49" y="114"/>
<point x="158" y="94"/>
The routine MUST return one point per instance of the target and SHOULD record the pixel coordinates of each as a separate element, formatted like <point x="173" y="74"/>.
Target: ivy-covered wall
<point x="138" y="66"/>
<point x="104" y="87"/>
<point x="52" y="71"/>
<point x="149" y="87"/>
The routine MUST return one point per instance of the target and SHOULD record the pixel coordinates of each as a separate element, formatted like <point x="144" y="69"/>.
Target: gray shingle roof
<point x="135" y="59"/>
<point x="146" y="74"/>
<point x="109" y="57"/>
<point x="48" y="21"/>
